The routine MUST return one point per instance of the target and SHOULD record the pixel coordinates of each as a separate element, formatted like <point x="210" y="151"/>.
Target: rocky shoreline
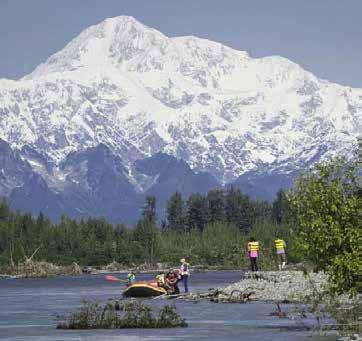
<point x="267" y="286"/>
<point x="282" y="286"/>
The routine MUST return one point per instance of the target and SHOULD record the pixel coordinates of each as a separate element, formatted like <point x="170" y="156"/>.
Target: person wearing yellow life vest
<point x="160" y="278"/>
<point x="280" y="249"/>
<point x="253" y="252"/>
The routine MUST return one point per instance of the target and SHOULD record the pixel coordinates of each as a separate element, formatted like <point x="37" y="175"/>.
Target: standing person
<point x="185" y="273"/>
<point x="280" y="248"/>
<point x="253" y="252"/>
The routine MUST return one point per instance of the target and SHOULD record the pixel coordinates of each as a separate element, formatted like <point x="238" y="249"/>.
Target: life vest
<point x="253" y="246"/>
<point x="131" y="278"/>
<point x="279" y="244"/>
<point x="170" y="283"/>
<point x="160" y="280"/>
<point x="184" y="269"/>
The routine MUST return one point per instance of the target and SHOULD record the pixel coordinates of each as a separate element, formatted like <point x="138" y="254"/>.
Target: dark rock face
<point x="35" y="196"/>
<point x="97" y="185"/>
<point x="264" y="185"/>
<point x="169" y="175"/>
<point x="26" y="189"/>
<point x="30" y="154"/>
<point x="13" y="170"/>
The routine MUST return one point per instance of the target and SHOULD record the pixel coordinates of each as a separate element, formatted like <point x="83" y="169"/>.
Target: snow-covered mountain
<point x="139" y="92"/>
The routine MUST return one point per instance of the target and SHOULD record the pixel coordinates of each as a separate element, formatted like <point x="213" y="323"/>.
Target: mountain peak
<point x="123" y="44"/>
<point x="108" y="44"/>
<point x="123" y="20"/>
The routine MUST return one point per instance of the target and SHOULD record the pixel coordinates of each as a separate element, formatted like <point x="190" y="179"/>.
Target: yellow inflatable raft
<point x="144" y="289"/>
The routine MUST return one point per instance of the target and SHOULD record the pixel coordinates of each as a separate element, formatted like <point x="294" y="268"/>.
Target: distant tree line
<point x="218" y="206"/>
<point x="210" y="229"/>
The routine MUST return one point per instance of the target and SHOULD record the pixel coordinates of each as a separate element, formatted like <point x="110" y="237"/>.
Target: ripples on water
<point x="28" y="308"/>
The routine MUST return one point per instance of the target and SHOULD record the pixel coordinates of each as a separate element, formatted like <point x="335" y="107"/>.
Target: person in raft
<point x="168" y="281"/>
<point x="160" y="279"/>
<point x="253" y="252"/>
<point x="185" y="273"/>
<point x="131" y="278"/>
<point x="280" y="248"/>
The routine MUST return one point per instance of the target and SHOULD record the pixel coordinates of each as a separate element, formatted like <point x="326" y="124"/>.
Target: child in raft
<point x="131" y="278"/>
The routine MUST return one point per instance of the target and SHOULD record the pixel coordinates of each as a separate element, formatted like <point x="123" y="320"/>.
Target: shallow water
<point x="28" y="308"/>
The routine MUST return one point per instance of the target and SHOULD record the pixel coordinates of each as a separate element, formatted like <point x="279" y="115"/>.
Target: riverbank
<point x="42" y="269"/>
<point x="265" y="286"/>
<point x="281" y="286"/>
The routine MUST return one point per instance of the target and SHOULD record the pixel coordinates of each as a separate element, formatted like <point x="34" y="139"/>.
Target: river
<point x="28" y="308"/>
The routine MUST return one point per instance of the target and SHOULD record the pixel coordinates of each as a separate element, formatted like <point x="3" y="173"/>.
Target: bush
<point x="326" y="205"/>
<point x="113" y="315"/>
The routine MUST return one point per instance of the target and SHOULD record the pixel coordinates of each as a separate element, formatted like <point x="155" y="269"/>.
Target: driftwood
<point x="31" y="268"/>
<point x="278" y="312"/>
<point x="26" y="258"/>
<point x="236" y="296"/>
<point x="214" y="295"/>
<point x="33" y="254"/>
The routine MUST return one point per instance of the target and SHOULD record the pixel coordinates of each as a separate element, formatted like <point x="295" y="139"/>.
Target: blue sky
<point x="323" y="36"/>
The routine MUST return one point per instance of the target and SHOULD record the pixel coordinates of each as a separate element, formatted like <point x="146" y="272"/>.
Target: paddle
<point x="160" y="296"/>
<point x="114" y="279"/>
<point x="168" y="296"/>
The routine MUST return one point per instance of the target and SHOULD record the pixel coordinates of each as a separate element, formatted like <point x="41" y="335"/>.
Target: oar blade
<point x="112" y="278"/>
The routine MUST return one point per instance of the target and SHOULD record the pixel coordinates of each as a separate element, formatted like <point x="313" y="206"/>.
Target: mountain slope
<point x="14" y="171"/>
<point x="35" y="196"/>
<point x="94" y="183"/>
<point x="166" y="175"/>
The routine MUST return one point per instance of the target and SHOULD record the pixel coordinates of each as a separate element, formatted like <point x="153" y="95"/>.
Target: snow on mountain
<point x="131" y="88"/>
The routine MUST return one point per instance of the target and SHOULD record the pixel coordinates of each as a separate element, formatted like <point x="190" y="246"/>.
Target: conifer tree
<point x="197" y="212"/>
<point x="280" y="207"/>
<point x="176" y="213"/>
<point x="216" y="204"/>
<point x="233" y="201"/>
<point x="149" y="210"/>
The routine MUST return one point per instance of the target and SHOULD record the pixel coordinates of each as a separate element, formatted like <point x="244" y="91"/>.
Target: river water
<point x="28" y="308"/>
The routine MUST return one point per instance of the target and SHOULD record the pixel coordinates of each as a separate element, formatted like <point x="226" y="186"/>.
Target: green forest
<point x="208" y="230"/>
<point x="318" y="218"/>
